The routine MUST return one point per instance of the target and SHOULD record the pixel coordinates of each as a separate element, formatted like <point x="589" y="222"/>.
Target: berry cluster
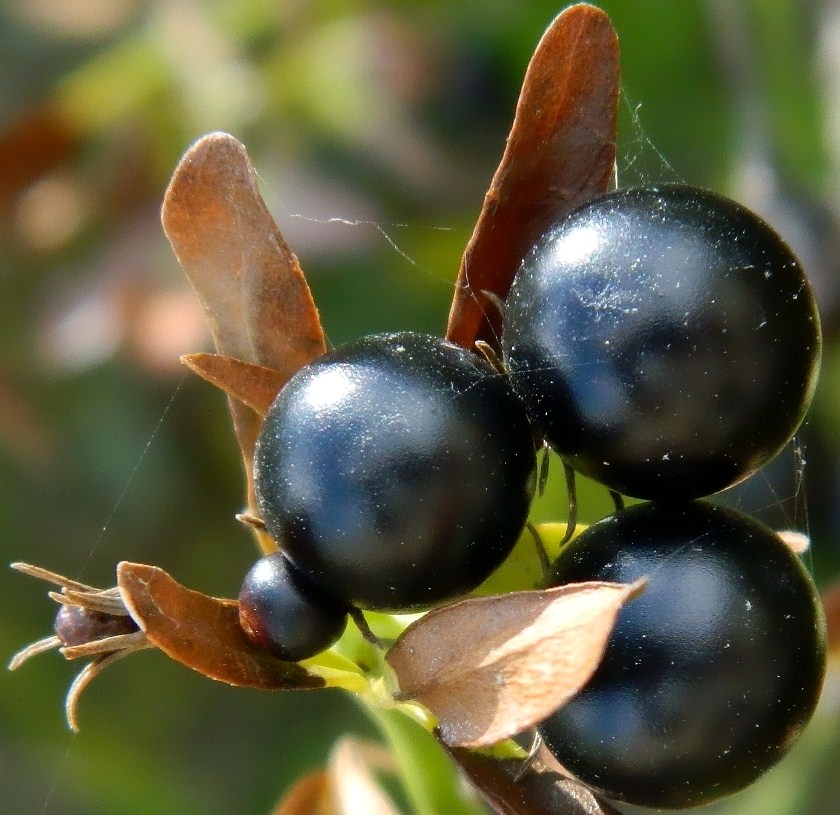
<point x="664" y="342"/>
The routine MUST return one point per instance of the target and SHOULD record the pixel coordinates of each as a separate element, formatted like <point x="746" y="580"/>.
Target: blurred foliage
<point x="376" y="128"/>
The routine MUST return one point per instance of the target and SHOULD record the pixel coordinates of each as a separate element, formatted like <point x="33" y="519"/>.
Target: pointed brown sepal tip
<point x="254" y="385"/>
<point x="254" y="293"/>
<point x="560" y="154"/>
<point x="203" y="632"/>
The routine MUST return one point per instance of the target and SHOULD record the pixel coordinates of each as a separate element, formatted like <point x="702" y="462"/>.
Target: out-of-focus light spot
<point x="85" y="332"/>
<point x="51" y="211"/>
<point x="166" y="326"/>
<point x="219" y="87"/>
<point x="76" y="19"/>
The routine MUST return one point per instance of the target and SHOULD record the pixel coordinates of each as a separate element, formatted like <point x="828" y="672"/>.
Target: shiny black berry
<point x="283" y="612"/>
<point x="710" y="675"/>
<point x="665" y="340"/>
<point x="396" y="472"/>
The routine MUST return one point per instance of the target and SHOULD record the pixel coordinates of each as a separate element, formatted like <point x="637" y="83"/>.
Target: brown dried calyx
<point x="149" y="609"/>
<point x="90" y="623"/>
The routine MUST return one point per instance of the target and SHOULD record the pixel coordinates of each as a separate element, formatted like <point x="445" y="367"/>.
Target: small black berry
<point x="75" y="625"/>
<point x="284" y="613"/>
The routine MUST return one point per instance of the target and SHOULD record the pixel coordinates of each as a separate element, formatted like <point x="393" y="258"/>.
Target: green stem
<point x="429" y="777"/>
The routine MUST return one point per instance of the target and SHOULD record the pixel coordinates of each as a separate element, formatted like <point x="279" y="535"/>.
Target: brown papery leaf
<point x="559" y="155"/>
<point x="253" y="385"/>
<point x="250" y="283"/>
<point x="202" y="632"/>
<point x="538" y="791"/>
<point x="491" y="667"/>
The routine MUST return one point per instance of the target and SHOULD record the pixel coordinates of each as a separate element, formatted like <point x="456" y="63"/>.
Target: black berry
<point x="709" y="675"/>
<point x="283" y="612"/>
<point x="665" y="341"/>
<point x="396" y="472"/>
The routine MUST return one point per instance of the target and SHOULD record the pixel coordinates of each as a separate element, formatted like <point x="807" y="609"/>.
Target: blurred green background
<point x="375" y="128"/>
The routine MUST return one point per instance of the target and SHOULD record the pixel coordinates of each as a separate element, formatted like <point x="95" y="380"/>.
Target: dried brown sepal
<point x="203" y="632"/>
<point x="48" y="576"/>
<point x="105" y="602"/>
<point x="91" y="623"/>
<point x="85" y="677"/>
<point x="50" y="643"/>
<point x="539" y="791"/>
<point x="560" y="154"/>
<point x="491" y="667"/>
<point x="250" y="283"/>
<point x="253" y="385"/>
